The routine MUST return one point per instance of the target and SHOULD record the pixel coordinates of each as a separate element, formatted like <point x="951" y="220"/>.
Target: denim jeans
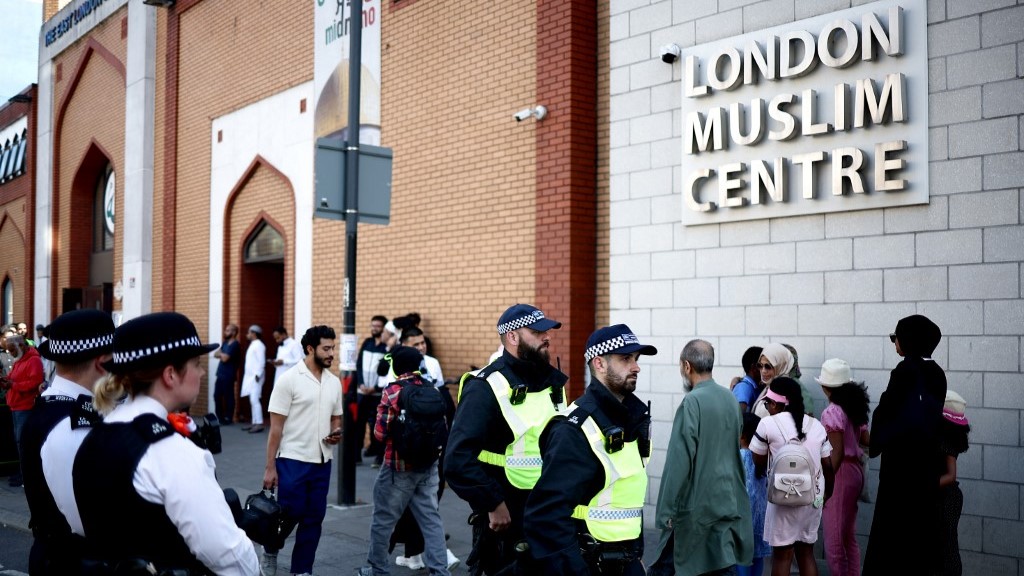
<point x="392" y="493"/>
<point x="19" y="418"/>
<point x="302" y="492"/>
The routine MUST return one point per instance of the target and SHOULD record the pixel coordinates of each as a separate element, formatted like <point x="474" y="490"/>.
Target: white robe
<point x="255" y="367"/>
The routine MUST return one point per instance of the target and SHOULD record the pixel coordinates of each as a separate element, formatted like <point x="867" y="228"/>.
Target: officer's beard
<point x="538" y="356"/>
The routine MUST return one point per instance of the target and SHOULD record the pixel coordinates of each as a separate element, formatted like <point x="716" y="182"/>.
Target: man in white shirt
<point x="253" y="377"/>
<point x="80" y="342"/>
<point x="289" y="352"/>
<point x="305" y="425"/>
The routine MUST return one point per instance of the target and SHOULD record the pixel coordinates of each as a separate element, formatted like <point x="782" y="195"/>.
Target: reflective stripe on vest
<point x="615" y="514"/>
<point x="521" y="459"/>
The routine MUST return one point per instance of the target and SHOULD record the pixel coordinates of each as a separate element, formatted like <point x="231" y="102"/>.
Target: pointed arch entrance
<point x="259" y="262"/>
<point x="90" y="273"/>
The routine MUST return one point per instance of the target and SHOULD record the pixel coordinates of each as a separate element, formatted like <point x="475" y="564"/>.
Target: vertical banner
<point x="330" y="70"/>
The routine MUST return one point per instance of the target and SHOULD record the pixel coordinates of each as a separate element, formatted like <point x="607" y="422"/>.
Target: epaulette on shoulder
<point x="152" y="428"/>
<point x="578" y="415"/>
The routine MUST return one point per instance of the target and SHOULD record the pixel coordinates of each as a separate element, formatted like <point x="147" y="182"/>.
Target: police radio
<point x="643" y="437"/>
<point x="558" y="392"/>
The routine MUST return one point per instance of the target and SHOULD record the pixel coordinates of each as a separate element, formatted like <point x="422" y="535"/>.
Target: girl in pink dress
<point x="846" y="421"/>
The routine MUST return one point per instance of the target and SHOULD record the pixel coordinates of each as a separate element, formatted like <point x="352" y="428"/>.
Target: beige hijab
<point x="780" y="357"/>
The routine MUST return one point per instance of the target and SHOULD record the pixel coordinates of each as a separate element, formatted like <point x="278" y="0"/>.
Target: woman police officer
<point x="146" y="494"/>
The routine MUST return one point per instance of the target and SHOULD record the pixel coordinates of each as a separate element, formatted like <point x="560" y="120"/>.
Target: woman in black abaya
<point x="905" y="432"/>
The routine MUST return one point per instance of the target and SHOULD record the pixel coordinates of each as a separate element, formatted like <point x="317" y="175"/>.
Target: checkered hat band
<point x="535" y="316"/>
<point x="604" y="514"/>
<point x="602" y="348"/>
<point x="126" y="357"/>
<point x="67" y="347"/>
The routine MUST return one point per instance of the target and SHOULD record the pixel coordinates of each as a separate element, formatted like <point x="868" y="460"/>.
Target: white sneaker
<point x="411" y="562"/>
<point x="453" y="562"/>
<point x="268" y="564"/>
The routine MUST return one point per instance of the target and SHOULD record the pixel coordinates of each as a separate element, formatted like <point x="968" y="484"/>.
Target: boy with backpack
<point x="411" y="423"/>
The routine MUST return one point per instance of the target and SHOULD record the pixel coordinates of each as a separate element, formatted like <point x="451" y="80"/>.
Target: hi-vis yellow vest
<point x="615" y="514"/>
<point x="521" y="459"/>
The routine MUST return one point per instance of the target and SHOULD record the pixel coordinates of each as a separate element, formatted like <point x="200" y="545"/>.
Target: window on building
<point x="265" y="245"/>
<point x="5" y="160"/>
<point x="7" y="303"/>
<point x="19" y="157"/>
<point x="103" y="212"/>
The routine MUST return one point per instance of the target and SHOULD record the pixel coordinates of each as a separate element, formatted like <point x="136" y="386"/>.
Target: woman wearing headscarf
<point x="905" y="433"/>
<point x="776" y="361"/>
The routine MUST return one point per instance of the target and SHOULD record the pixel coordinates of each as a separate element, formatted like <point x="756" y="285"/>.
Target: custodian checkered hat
<point x="155" y="340"/>
<point x="617" y="339"/>
<point x="78" y="336"/>
<point x="525" y="316"/>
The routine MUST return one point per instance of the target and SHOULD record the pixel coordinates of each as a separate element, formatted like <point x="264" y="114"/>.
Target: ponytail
<point x="108" y="392"/>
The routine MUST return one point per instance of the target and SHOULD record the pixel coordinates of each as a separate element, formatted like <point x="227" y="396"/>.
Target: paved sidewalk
<point x="345" y="538"/>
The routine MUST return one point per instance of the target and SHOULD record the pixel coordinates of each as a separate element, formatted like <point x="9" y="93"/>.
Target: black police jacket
<point x="572" y="476"/>
<point x="479" y="425"/>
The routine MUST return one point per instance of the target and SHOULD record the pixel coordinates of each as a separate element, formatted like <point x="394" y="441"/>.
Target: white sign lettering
<point x="823" y="115"/>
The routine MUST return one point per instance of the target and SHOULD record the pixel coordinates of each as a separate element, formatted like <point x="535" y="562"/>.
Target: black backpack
<point x="421" y="431"/>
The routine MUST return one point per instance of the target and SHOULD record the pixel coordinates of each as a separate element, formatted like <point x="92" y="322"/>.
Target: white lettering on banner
<point x="836" y="134"/>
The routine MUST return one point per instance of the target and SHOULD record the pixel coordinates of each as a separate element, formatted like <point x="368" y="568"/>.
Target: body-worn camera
<point x="517" y="395"/>
<point x="207" y="434"/>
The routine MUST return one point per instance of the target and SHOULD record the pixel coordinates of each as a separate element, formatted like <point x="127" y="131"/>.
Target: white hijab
<point x="782" y="359"/>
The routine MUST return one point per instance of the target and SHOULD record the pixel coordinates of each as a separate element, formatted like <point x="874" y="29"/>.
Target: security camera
<point x="670" y="53"/>
<point x="538" y="112"/>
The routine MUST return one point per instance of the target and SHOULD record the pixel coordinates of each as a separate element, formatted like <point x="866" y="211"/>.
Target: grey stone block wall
<point x="835" y="284"/>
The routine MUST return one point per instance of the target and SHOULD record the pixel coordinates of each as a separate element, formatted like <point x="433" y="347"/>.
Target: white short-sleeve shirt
<point x="308" y="405"/>
<point x="58" y="452"/>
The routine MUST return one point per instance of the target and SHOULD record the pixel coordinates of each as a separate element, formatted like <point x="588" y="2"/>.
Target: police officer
<point x="585" y="514"/>
<point x="493" y="459"/>
<point x="79" y="343"/>
<point x="146" y="494"/>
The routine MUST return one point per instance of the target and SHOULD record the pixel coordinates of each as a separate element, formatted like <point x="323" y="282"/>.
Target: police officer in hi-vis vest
<point x="493" y="458"/>
<point x="585" y="514"/>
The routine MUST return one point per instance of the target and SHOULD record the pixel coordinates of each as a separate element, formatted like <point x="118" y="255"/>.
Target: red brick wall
<point x="92" y="72"/>
<point x="17" y="205"/>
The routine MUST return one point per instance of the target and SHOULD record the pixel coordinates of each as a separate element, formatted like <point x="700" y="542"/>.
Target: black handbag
<point x="263" y="519"/>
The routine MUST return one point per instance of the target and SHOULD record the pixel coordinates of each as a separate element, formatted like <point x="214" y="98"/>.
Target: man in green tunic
<point x="703" y="509"/>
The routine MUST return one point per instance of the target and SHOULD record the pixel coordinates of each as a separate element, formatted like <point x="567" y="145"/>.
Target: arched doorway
<point x="90" y="282"/>
<point x="262" y="288"/>
<point x="258" y="258"/>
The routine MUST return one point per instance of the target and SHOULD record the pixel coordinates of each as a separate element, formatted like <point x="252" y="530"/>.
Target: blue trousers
<point x="392" y="493"/>
<point x="302" y="492"/>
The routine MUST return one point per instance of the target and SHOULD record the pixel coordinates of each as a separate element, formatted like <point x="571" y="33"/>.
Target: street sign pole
<point x="347" y="469"/>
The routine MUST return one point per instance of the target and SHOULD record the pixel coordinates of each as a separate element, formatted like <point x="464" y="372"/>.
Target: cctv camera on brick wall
<point x="670" y="53"/>
<point x="523" y="114"/>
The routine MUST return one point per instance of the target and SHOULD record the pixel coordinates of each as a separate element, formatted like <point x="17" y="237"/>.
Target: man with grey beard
<point x="703" y="490"/>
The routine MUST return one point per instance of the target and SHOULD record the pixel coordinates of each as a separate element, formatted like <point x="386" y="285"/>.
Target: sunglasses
<point x="892" y="338"/>
<point x="764" y="366"/>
